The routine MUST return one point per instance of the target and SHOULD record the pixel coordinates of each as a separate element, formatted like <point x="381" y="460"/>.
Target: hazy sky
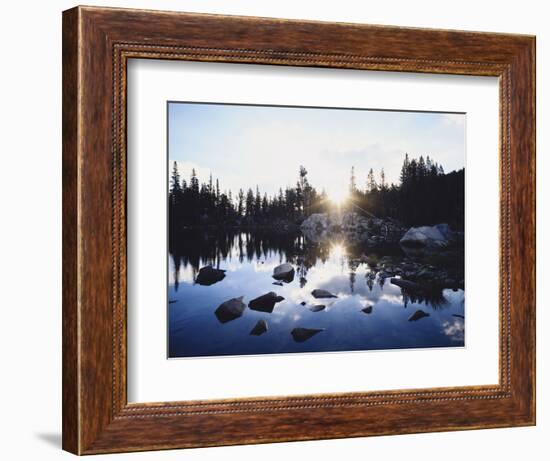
<point x="245" y="146"/>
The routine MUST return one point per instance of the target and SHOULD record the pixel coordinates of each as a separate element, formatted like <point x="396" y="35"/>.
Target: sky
<point x="248" y="146"/>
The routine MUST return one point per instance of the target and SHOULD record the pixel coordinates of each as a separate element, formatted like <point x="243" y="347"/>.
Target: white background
<point x="30" y="247"/>
<point x="153" y="378"/>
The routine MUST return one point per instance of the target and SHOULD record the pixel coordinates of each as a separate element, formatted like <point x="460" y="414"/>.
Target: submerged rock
<point x="172" y="301"/>
<point x="318" y="293"/>
<point x="317" y="308"/>
<point x="265" y="303"/>
<point x="367" y="310"/>
<point x="284" y="272"/>
<point x="419" y="314"/>
<point x="230" y="310"/>
<point x="208" y="275"/>
<point x="260" y="328"/>
<point x="303" y="334"/>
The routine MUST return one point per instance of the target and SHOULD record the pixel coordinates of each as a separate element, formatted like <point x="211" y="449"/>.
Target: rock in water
<point x="317" y="308"/>
<point x="367" y="310"/>
<point x="407" y="284"/>
<point x="230" y="310"/>
<point x="303" y="303"/>
<point x="208" y="275"/>
<point x="430" y="237"/>
<point x="260" y="328"/>
<point x="284" y="272"/>
<point x="419" y="314"/>
<point x="322" y="294"/>
<point x="278" y="283"/>
<point x="303" y="334"/>
<point x="265" y="303"/>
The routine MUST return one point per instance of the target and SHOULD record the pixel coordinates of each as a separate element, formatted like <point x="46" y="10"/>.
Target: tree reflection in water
<point x="196" y="248"/>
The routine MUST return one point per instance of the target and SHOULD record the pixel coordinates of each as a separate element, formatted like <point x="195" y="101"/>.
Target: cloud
<point x="455" y="120"/>
<point x="454" y="330"/>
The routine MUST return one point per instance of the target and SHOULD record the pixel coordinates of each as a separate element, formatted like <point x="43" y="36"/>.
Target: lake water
<point x="249" y="259"/>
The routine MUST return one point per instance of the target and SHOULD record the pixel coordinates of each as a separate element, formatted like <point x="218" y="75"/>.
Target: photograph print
<point x="313" y="229"/>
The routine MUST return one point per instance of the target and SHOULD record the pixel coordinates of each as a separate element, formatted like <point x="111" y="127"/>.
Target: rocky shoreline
<point x="421" y="245"/>
<point x="352" y="227"/>
<point x="425" y="257"/>
<point x="416" y="275"/>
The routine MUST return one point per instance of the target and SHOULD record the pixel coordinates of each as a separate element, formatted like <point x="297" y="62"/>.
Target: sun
<point x="338" y="197"/>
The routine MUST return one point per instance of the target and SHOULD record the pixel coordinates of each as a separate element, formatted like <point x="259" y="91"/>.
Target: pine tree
<point x="281" y="203"/>
<point x="352" y="182"/>
<point x="240" y="203"/>
<point x="383" y="185"/>
<point x="299" y="199"/>
<point x="404" y="177"/>
<point x="428" y="164"/>
<point x="306" y="191"/>
<point x="194" y="182"/>
<point x="265" y="205"/>
<point x="257" y="203"/>
<point x="371" y="182"/>
<point x="290" y="202"/>
<point x="249" y="203"/>
<point x="421" y="169"/>
<point x="175" y="184"/>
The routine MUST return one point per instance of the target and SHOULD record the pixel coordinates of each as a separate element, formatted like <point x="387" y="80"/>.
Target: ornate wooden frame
<point x="97" y="43"/>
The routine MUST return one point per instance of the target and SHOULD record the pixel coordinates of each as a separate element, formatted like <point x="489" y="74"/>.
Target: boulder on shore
<point x="230" y="310"/>
<point x="284" y="272"/>
<point x="318" y="293"/>
<point x="429" y="237"/>
<point x="317" y="227"/>
<point x="265" y="303"/>
<point x="209" y="275"/>
<point x="317" y="222"/>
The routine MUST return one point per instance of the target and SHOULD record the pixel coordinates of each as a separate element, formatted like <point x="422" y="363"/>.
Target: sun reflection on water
<point x="337" y="250"/>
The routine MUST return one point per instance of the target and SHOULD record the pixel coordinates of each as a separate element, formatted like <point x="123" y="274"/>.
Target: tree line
<point x="193" y="203"/>
<point x="424" y="195"/>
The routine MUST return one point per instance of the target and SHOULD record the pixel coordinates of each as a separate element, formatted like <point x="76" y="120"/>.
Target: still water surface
<point x="249" y="260"/>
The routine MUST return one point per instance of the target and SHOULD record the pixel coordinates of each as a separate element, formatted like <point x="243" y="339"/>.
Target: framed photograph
<point x="282" y="230"/>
